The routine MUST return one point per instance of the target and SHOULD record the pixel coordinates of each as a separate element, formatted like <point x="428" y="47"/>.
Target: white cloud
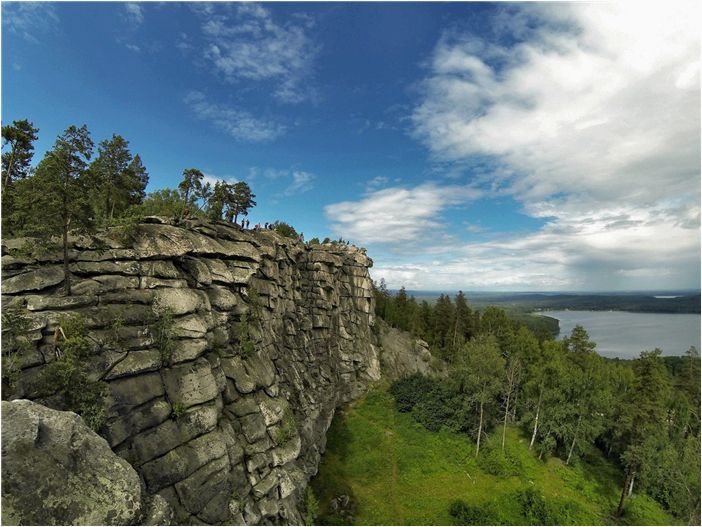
<point x="238" y="123"/>
<point x="593" y="122"/>
<point x="213" y="179"/>
<point x="29" y="19"/>
<point x="134" y="13"/>
<point x="397" y="215"/>
<point x="245" y="43"/>
<point x="301" y="182"/>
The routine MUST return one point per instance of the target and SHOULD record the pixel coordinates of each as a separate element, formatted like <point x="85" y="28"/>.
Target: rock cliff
<point x="270" y="335"/>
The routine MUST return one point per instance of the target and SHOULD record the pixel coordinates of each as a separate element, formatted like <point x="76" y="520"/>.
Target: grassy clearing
<point x="398" y="473"/>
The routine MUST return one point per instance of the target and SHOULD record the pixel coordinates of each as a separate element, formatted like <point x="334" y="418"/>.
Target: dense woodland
<point x="642" y="414"/>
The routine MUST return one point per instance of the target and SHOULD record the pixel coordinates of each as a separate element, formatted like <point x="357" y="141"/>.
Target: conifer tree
<point x="62" y="204"/>
<point x="18" y="145"/>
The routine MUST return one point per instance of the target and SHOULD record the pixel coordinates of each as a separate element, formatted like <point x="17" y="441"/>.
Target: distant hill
<point x="637" y="301"/>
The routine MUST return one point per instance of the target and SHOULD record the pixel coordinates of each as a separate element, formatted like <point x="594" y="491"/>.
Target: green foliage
<point x="178" y="410"/>
<point x="18" y="143"/>
<point x="165" y="202"/>
<point x="119" y="179"/>
<point x="67" y="380"/>
<point x="465" y="514"/>
<point x="314" y="241"/>
<point x="399" y="473"/>
<point x="243" y="335"/>
<point x="285" y="229"/>
<point x="15" y="327"/>
<point x="162" y="331"/>
<point x="287" y="429"/>
<point x="311" y="506"/>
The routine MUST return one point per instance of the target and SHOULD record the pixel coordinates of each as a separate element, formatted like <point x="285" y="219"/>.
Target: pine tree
<point x="18" y="141"/>
<point x="63" y="203"/>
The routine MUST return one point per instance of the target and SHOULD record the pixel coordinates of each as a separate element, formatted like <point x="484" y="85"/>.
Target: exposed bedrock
<point x="271" y="336"/>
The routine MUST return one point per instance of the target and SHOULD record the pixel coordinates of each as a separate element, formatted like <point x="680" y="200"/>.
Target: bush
<point x="243" y="335"/>
<point x="287" y="428"/>
<point x="67" y="379"/>
<point x="411" y="390"/>
<point x="162" y="331"/>
<point x="15" y="327"/>
<point x="464" y="514"/>
<point x="285" y="229"/>
<point x="497" y="463"/>
<point x="311" y="506"/>
<point x="533" y="507"/>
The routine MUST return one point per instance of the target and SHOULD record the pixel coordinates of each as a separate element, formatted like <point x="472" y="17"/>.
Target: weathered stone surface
<point x="173" y="432"/>
<point x="133" y="391"/>
<point x="264" y="486"/>
<point x="132" y="422"/>
<point x="253" y="426"/>
<point x="43" y="303"/>
<point x="34" y="280"/>
<point x="158" y="512"/>
<point x="180" y="301"/>
<point x="135" y="362"/>
<point x="180" y="462"/>
<point x="190" y="384"/>
<point x="197" y="489"/>
<point x="56" y="471"/>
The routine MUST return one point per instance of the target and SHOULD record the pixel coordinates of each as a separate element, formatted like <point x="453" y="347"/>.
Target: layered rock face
<point x="271" y="336"/>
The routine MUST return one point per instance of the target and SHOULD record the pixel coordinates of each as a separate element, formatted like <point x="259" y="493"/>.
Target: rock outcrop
<point x="56" y="471"/>
<point x="270" y="335"/>
<point x="403" y="355"/>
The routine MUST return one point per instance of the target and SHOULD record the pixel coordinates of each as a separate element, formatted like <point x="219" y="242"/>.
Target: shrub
<point x="15" y="327"/>
<point x="464" y="514"/>
<point x="67" y="378"/>
<point x="285" y="229"/>
<point x="533" y="507"/>
<point x="287" y="428"/>
<point x="243" y="334"/>
<point x="311" y="506"/>
<point x="410" y="390"/>
<point x="503" y="464"/>
<point x="162" y="331"/>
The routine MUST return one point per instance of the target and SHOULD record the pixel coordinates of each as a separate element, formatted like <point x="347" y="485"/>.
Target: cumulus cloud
<point x="245" y="43"/>
<point x="29" y="19"/>
<point x="238" y="123"/>
<point x="397" y="215"/>
<point x="593" y="122"/>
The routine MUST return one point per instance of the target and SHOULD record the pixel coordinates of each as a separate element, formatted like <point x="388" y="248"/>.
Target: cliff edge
<point x="266" y="337"/>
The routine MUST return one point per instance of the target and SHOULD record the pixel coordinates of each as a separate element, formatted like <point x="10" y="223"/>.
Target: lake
<point x="625" y="335"/>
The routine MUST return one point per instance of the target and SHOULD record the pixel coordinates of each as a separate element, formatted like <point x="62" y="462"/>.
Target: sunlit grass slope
<point x="399" y="473"/>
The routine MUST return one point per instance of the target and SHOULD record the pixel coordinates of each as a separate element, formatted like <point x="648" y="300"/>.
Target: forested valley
<point x="642" y="415"/>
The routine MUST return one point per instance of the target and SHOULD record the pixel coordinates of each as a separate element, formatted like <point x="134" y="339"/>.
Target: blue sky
<point x="466" y="145"/>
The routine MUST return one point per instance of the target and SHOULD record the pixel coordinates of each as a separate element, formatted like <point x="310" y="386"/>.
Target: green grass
<point x="398" y="473"/>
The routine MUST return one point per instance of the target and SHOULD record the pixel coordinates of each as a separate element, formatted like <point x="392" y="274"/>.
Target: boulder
<point x="57" y="471"/>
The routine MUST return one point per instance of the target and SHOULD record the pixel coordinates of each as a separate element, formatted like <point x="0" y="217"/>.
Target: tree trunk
<point x="8" y="169"/>
<point x="504" y="424"/>
<point x="625" y="488"/>
<point x="536" y="424"/>
<point x="480" y="430"/>
<point x="631" y="484"/>
<point x="66" y="273"/>
<point x="575" y="436"/>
